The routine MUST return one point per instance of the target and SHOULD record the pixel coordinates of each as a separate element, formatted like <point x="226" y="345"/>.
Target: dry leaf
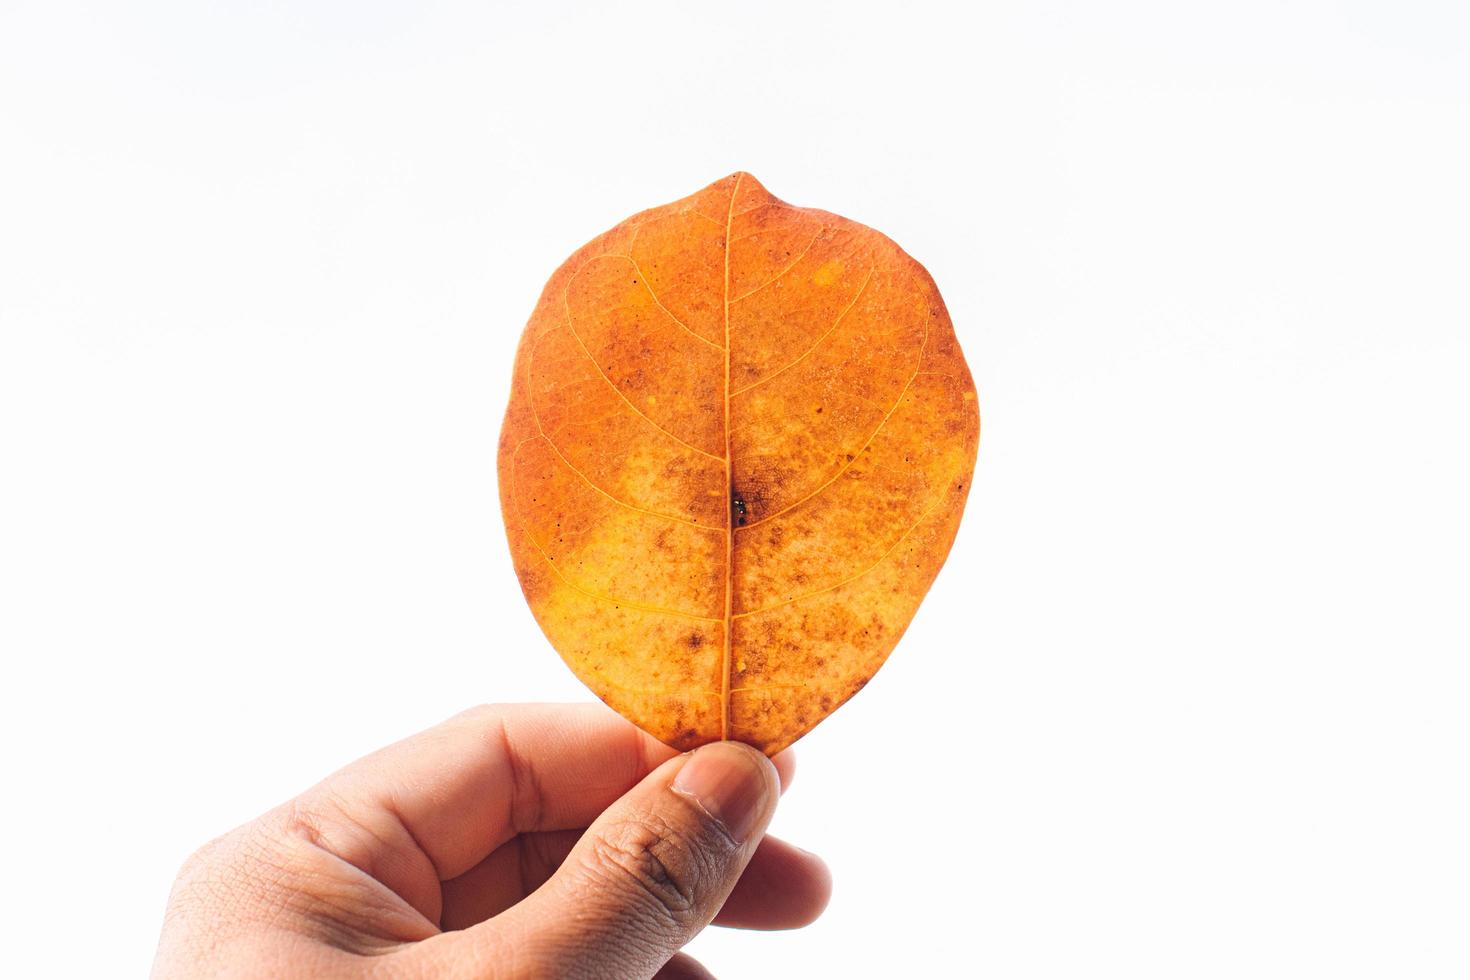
<point x="739" y="442"/>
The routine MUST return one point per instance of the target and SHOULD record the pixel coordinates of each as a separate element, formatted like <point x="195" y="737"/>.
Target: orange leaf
<point x="739" y="441"/>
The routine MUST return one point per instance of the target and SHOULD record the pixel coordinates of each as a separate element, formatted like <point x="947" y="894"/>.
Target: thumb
<point x="645" y="878"/>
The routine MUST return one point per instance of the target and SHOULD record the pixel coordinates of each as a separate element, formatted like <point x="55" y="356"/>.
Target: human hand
<point x="414" y="861"/>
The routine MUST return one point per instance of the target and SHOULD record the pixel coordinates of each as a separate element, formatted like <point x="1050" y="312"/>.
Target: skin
<point x="510" y="841"/>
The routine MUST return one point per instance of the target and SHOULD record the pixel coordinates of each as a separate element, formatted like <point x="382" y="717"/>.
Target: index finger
<point x="469" y="785"/>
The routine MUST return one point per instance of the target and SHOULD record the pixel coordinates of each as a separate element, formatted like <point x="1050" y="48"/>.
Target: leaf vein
<point x="848" y="465"/>
<point x="643" y="279"/>
<point x="615" y="499"/>
<point x="852" y="578"/>
<point x="791" y="265"/>
<point x="526" y="531"/>
<point x="614" y="600"/>
<point x="816" y="343"/>
<point x="566" y="305"/>
<point x="725" y="657"/>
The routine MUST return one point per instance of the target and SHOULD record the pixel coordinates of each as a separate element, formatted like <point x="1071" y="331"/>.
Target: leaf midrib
<point x="729" y="488"/>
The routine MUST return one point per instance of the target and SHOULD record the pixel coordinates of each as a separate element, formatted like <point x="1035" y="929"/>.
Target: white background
<point x="1190" y="697"/>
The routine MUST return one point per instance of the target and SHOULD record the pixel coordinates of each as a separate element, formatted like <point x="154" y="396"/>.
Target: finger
<point x="644" y="879"/>
<point x="432" y="806"/>
<point x="783" y="887"/>
<point x="467" y="786"/>
<point x="683" y="967"/>
<point x="785" y="763"/>
<point x="506" y="877"/>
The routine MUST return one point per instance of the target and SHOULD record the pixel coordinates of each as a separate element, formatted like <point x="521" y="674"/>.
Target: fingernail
<point x="728" y="784"/>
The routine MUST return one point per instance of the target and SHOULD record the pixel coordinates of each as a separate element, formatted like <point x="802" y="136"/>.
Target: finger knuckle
<point x="657" y="861"/>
